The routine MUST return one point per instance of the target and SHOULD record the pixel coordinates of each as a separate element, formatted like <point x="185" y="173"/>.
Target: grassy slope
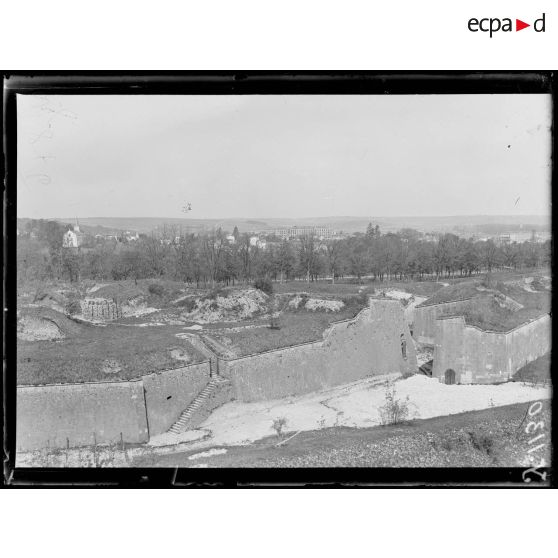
<point x="490" y="438"/>
<point x="138" y="350"/>
<point x="483" y="311"/>
<point x="536" y="372"/>
<point x="296" y="326"/>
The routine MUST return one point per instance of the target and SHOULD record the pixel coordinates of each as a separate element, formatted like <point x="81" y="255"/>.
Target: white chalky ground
<point x="357" y="405"/>
<point x="354" y="405"/>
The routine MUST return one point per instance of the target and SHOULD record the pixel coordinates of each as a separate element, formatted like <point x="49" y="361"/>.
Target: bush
<point x="278" y="424"/>
<point x="73" y="307"/>
<point x="264" y="285"/>
<point x="482" y="442"/>
<point x="394" y="411"/>
<point x="189" y="304"/>
<point x="156" y="289"/>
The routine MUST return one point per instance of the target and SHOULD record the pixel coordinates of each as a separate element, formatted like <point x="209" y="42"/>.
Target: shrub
<point x="189" y="304"/>
<point x="481" y="442"/>
<point x="156" y="289"/>
<point x="394" y="410"/>
<point x="303" y="300"/>
<point x="73" y="307"/>
<point x="264" y="285"/>
<point x="278" y="424"/>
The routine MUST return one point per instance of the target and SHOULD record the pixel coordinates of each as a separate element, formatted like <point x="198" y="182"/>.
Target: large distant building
<point x="294" y="232"/>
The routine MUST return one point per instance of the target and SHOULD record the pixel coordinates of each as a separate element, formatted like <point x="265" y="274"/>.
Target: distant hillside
<point x="348" y="224"/>
<point x="84" y="227"/>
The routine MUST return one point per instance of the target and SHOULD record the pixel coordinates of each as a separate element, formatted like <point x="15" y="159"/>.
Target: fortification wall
<point x="479" y="356"/>
<point x="369" y="344"/>
<point x="100" y="309"/>
<point x="169" y="392"/>
<point x="53" y="415"/>
<point x="425" y="317"/>
<point x="529" y="342"/>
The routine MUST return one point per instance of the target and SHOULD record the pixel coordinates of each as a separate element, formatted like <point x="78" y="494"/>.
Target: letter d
<point x="535" y="25"/>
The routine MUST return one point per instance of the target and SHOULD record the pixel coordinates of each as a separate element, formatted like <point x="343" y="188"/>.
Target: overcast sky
<point x="283" y="156"/>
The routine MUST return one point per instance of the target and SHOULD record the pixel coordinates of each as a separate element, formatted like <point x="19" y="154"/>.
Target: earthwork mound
<point x="44" y="324"/>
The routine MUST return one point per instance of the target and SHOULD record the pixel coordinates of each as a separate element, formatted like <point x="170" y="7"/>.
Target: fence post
<point x="121" y="442"/>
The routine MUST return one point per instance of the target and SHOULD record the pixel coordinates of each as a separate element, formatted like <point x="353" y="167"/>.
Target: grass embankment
<point x="490" y="307"/>
<point x="493" y="437"/>
<point x="113" y="352"/>
<point x="295" y="326"/>
<point x="536" y="372"/>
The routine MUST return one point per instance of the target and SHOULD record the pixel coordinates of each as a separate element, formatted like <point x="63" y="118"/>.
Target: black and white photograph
<point x="283" y="281"/>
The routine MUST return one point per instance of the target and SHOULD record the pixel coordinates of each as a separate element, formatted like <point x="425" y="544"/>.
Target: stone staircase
<point x="199" y="400"/>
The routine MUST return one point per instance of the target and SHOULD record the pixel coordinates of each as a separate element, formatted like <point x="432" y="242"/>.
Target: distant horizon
<point x="269" y="218"/>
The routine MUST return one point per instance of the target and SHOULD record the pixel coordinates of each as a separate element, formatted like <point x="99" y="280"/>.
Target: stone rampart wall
<point x="479" y="356"/>
<point x="370" y="344"/>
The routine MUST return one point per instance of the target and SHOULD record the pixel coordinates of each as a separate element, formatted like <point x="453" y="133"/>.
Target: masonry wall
<point x="479" y="356"/>
<point x="369" y="344"/>
<point x="425" y="317"/>
<point x="168" y="393"/>
<point x="48" y="416"/>
<point x="99" y="412"/>
<point x="100" y="309"/>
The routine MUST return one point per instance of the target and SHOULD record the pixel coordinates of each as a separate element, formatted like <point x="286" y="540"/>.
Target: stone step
<point x="196" y="403"/>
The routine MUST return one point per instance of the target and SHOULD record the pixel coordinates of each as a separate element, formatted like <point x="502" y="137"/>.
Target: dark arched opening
<point x="450" y="376"/>
<point x="403" y="346"/>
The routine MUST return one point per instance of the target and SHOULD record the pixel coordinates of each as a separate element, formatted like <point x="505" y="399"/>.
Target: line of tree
<point x="209" y="258"/>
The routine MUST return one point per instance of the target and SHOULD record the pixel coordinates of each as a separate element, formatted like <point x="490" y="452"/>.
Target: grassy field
<point x="295" y="326"/>
<point x="113" y="352"/>
<point x="493" y="437"/>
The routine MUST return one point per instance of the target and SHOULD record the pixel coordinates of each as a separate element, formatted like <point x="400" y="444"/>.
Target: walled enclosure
<point x="82" y="414"/>
<point x="369" y="344"/>
<point x="479" y="356"/>
<point x="426" y="316"/>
